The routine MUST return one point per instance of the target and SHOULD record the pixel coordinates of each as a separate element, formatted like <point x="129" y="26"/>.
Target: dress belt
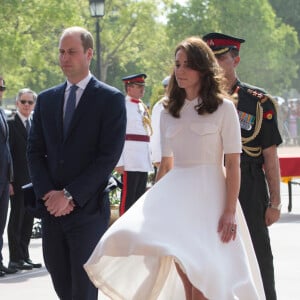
<point x="137" y="137"/>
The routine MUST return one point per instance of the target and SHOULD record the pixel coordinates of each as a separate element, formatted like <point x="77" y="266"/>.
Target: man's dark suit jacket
<point x="6" y="172"/>
<point x="20" y="222"/>
<point x="82" y="161"/>
<point x="6" y="175"/>
<point x="18" y="142"/>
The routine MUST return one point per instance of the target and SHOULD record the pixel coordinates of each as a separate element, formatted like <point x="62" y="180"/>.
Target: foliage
<point x="115" y="195"/>
<point x="288" y="11"/>
<point x="136" y="42"/>
<point x="136" y="38"/>
<point x="157" y="94"/>
<point x="268" y="56"/>
<point x="132" y="41"/>
<point x="29" y="41"/>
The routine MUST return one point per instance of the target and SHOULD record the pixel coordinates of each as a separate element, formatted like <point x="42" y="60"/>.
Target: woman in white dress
<point x="186" y="237"/>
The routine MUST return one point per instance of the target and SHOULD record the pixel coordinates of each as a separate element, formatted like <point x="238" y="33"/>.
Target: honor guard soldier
<point x="260" y="177"/>
<point x="135" y="161"/>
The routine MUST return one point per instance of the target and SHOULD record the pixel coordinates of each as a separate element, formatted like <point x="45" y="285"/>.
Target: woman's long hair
<point x="200" y="58"/>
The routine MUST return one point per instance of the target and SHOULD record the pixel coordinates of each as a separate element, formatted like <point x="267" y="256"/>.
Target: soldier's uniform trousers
<point x="254" y="201"/>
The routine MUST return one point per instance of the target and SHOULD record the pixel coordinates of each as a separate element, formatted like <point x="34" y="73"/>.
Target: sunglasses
<point x="30" y="102"/>
<point x="2" y="88"/>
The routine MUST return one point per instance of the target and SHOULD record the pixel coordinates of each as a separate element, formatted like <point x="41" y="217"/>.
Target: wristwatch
<point x="67" y="195"/>
<point x="278" y="206"/>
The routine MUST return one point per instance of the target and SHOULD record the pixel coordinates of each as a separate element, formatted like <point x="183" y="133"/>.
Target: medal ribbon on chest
<point x="246" y="120"/>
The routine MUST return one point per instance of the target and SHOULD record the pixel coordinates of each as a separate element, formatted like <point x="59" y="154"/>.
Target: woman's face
<point x="187" y="78"/>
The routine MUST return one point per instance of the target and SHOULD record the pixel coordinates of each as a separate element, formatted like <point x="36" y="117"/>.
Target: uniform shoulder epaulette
<point x="262" y="96"/>
<point x="256" y="92"/>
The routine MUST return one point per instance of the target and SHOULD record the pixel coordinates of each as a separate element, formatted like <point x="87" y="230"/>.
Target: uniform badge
<point x="246" y="120"/>
<point x="268" y="115"/>
<point x="143" y="110"/>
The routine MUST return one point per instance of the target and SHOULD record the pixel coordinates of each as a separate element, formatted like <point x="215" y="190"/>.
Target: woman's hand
<point x="227" y="223"/>
<point x="227" y="227"/>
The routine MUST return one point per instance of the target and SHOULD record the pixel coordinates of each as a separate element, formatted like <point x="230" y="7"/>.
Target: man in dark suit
<point x="70" y="162"/>
<point x="6" y="174"/>
<point x="20" y="222"/>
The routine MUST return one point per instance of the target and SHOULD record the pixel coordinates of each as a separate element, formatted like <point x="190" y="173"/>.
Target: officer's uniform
<point x="259" y="130"/>
<point x="136" y="155"/>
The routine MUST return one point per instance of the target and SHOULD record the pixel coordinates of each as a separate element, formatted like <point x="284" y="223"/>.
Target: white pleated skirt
<point x="176" y="221"/>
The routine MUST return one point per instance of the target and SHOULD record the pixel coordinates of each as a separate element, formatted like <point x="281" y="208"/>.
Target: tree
<point x="288" y="11"/>
<point x="132" y="40"/>
<point x="29" y="43"/>
<point x="135" y="39"/>
<point x="268" y="56"/>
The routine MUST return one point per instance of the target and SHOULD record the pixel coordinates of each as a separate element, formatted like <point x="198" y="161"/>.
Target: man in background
<point x="260" y="177"/>
<point x="135" y="161"/>
<point x="20" y="222"/>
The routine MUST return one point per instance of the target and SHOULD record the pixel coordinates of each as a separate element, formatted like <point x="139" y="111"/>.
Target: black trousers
<point x="68" y="242"/>
<point x="4" y="195"/>
<point x="19" y="228"/>
<point x="134" y="186"/>
<point x="254" y="199"/>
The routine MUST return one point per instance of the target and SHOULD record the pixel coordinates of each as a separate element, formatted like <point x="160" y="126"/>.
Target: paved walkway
<point x="285" y="237"/>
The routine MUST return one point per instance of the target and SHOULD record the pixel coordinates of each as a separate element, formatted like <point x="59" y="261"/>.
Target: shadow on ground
<point x="22" y="276"/>
<point x="289" y="218"/>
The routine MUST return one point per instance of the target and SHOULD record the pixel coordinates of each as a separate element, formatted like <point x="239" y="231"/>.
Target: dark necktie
<point x="27" y="125"/>
<point x="70" y="108"/>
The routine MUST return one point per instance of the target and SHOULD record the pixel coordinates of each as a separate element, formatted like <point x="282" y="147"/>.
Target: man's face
<point x="74" y="62"/>
<point x="136" y="91"/>
<point x="228" y="63"/>
<point x="25" y="104"/>
<point x="1" y="88"/>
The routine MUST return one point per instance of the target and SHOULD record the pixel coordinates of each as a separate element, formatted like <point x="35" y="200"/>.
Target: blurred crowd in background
<point x="289" y="120"/>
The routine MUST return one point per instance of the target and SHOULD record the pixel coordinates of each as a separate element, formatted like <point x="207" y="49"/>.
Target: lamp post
<point x="97" y="11"/>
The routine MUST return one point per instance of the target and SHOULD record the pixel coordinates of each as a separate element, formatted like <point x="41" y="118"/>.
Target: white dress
<point x="177" y="220"/>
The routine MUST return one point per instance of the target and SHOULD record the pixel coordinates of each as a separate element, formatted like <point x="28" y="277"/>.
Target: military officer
<point x="260" y="186"/>
<point x="135" y="161"/>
